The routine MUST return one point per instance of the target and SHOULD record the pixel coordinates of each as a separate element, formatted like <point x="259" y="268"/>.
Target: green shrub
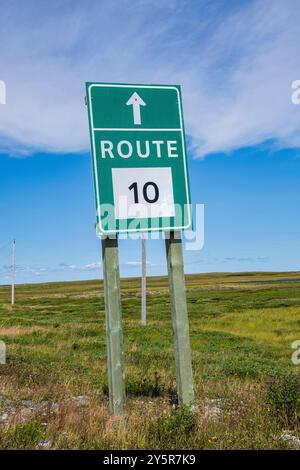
<point x="283" y="394"/>
<point x="23" y="436"/>
<point x="174" y="430"/>
<point x="145" y="386"/>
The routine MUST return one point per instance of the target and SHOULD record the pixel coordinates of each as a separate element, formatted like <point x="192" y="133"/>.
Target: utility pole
<point x="143" y="294"/>
<point x="13" y="272"/>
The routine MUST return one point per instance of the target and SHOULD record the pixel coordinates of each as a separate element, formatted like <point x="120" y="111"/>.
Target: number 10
<point x="145" y="191"/>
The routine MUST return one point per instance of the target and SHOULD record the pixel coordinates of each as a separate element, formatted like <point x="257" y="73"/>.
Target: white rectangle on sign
<point x="143" y="192"/>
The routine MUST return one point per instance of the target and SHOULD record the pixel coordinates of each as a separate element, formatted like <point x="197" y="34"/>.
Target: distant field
<point x="53" y="390"/>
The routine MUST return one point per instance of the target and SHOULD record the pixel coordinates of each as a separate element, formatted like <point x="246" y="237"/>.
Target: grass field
<point x="53" y="391"/>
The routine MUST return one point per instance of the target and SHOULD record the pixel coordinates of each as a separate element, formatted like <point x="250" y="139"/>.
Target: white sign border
<point x="93" y="129"/>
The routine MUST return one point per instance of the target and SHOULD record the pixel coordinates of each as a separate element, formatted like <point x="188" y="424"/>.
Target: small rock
<point x="81" y="400"/>
<point x="293" y="440"/>
<point x="212" y="409"/>
<point x="3" y="416"/>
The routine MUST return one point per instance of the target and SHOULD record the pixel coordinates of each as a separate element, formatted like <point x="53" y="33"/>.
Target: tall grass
<point x="241" y="337"/>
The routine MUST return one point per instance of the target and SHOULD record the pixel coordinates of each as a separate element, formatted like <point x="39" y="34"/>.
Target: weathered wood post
<point x="114" y="333"/>
<point x="144" y="280"/>
<point x="182" y="349"/>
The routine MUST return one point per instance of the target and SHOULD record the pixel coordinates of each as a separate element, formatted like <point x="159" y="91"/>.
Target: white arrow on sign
<point x="136" y="101"/>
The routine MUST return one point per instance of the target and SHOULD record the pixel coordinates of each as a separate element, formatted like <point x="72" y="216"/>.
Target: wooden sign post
<point x="144" y="283"/>
<point x="114" y="333"/>
<point x="182" y="349"/>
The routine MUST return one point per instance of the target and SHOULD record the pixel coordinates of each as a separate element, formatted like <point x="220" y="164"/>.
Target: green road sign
<point x="139" y="157"/>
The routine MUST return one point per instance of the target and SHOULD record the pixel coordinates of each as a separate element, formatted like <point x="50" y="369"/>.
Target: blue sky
<point x="235" y="64"/>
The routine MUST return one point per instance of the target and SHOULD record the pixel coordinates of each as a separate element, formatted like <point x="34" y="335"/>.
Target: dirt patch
<point x="6" y="369"/>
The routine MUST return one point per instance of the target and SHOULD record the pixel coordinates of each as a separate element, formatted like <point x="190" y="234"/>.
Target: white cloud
<point x="40" y="270"/>
<point x="92" y="266"/>
<point x="236" y="65"/>
<point x="139" y="263"/>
